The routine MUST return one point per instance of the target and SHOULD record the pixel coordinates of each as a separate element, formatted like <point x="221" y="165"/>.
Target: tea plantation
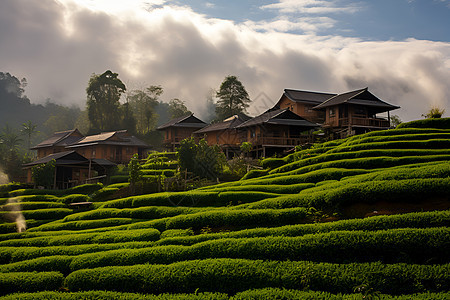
<point x="365" y="217"/>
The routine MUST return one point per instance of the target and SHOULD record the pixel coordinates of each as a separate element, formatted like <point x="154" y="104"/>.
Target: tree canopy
<point x="233" y="98"/>
<point x="143" y="104"/>
<point x="177" y="108"/>
<point x="103" y="93"/>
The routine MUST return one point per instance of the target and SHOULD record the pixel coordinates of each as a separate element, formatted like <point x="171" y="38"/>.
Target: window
<point x="332" y="112"/>
<point x="360" y="111"/>
<point x="308" y="109"/>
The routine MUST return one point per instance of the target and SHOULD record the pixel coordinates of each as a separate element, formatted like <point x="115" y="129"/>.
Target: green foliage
<point x="143" y="104"/>
<point x="235" y="275"/>
<point x="201" y="159"/>
<point x="134" y="170"/>
<point x="233" y="98"/>
<point x="14" y="282"/>
<point x="440" y="123"/>
<point x="44" y="174"/>
<point x="178" y="109"/>
<point x="103" y="93"/>
<point x="434" y="113"/>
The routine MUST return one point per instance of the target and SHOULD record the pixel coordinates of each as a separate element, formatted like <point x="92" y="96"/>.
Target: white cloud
<point x="312" y="6"/>
<point x="188" y="53"/>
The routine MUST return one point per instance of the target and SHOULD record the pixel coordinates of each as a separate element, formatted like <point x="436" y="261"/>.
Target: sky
<point x="399" y="49"/>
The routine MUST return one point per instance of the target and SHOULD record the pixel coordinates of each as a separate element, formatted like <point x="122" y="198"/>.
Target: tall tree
<point x="103" y="93"/>
<point x="177" y="108"/>
<point x="29" y="129"/>
<point x="233" y="98"/>
<point x="143" y="103"/>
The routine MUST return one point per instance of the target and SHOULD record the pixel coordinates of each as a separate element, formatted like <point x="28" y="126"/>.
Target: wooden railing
<point x="281" y="141"/>
<point x="369" y="122"/>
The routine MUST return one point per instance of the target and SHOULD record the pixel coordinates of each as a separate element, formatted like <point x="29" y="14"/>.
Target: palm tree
<point x="29" y="129"/>
<point x="9" y="138"/>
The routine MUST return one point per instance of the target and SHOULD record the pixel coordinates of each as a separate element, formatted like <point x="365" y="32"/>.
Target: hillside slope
<point x="361" y="217"/>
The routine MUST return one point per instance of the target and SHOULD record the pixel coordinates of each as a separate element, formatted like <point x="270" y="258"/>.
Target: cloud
<point x="58" y="46"/>
<point x="312" y="7"/>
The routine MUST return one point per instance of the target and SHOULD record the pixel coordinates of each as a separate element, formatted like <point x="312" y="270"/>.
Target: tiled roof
<point x="187" y="121"/>
<point x="229" y="123"/>
<point x="278" y="117"/>
<point x="106" y="138"/>
<point x="361" y="97"/>
<point x="307" y="96"/>
<point x="61" y="138"/>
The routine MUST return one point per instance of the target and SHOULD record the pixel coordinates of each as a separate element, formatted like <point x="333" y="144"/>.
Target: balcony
<point x="355" y="121"/>
<point x="281" y="141"/>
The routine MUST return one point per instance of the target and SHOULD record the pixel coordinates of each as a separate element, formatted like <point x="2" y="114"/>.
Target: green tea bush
<point x="391" y="246"/>
<point x="74" y="198"/>
<point x="47" y="213"/>
<point x="14" y="282"/>
<point x="83" y="224"/>
<point x="165" y="172"/>
<point x="441" y="123"/>
<point x="254" y="174"/>
<point x="85" y="189"/>
<point x="57" y="263"/>
<point x="113" y="236"/>
<point x="36" y="205"/>
<point x="272" y="163"/>
<point x="273" y="188"/>
<point x="118" y="179"/>
<point x="106" y="295"/>
<point x="236" y="275"/>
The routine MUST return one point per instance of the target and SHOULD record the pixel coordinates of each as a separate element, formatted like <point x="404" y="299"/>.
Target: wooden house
<point x="178" y="129"/>
<point x="115" y="146"/>
<point x="57" y="142"/>
<point x="276" y="131"/>
<point x="72" y="169"/>
<point x="354" y="112"/>
<point x="302" y="103"/>
<point x="225" y="134"/>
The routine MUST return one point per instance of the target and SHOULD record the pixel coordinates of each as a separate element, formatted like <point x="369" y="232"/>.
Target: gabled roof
<point x="187" y="121"/>
<point x="307" y="96"/>
<point x="278" y="117"/>
<point x="61" y="138"/>
<point x="61" y="158"/>
<point x="229" y="123"/>
<point x="361" y="97"/>
<point x="120" y="138"/>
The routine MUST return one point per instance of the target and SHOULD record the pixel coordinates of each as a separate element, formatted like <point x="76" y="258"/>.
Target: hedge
<point x="83" y="224"/>
<point x="35" y="205"/>
<point x="47" y="213"/>
<point x="441" y="123"/>
<point x="273" y="188"/>
<point x="391" y="246"/>
<point x="106" y="295"/>
<point x="235" y="275"/>
<point x="190" y="198"/>
<point x="14" y="282"/>
<point x="145" y="212"/>
<point x="165" y="172"/>
<point x="341" y="194"/>
<point x="117" y="236"/>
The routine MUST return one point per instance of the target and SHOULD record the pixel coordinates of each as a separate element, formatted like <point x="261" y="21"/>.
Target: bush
<point x="14" y="282"/>
<point x="439" y="123"/>
<point x="80" y="225"/>
<point x="235" y="275"/>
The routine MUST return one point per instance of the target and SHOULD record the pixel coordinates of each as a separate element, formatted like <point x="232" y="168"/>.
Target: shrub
<point x="235" y="275"/>
<point x="14" y="282"/>
<point x="79" y="225"/>
<point x="440" y="123"/>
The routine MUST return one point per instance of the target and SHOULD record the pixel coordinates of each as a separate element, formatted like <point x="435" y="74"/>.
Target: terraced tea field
<point x="361" y="218"/>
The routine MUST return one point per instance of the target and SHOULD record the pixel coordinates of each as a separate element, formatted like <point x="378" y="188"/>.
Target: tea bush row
<point x="83" y="224"/>
<point x="194" y="198"/>
<point x="340" y="194"/>
<point x="389" y="246"/>
<point x="145" y="212"/>
<point x="14" y="282"/>
<point x="117" y="236"/>
<point x="235" y="275"/>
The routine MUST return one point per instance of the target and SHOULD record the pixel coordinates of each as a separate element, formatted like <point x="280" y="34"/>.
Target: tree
<point x="434" y="112"/>
<point x="143" y="104"/>
<point x="201" y="159"/>
<point x="395" y="120"/>
<point x="29" y="129"/>
<point x="44" y="174"/>
<point x="10" y="138"/>
<point x="134" y="172"/>
<point x="233" y="98"/>
<point x="177" y="108"/>
<point x="103" y="93"/>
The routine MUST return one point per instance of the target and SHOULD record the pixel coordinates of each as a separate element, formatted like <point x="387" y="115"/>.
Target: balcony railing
<point x="281" y="141"/>
<point x="354" y="121"/>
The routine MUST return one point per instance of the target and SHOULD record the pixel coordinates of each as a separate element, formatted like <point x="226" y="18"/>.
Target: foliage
<point x="104" y="92"/>
<point x="29" y="129"/>
<point x="143" y="103"/>
<point x="201" y="159"/>
<point x="134" y="171"/>
<point x="441" y="123"/>
<point x="44" y="174"/>
<point x="177" y="109"/>
<point x="395" y="120"/>
<point x="233" y="98"/>
<point x="434" y="113"/>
